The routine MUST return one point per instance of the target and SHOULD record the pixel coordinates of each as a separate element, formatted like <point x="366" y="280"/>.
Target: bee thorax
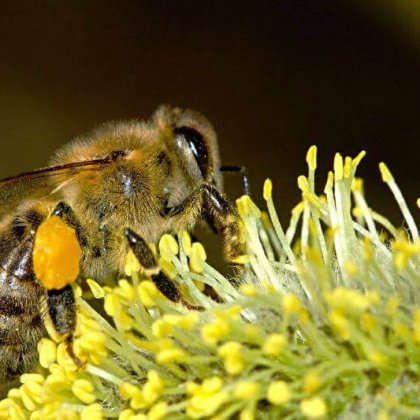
<point x="129" y="184"/>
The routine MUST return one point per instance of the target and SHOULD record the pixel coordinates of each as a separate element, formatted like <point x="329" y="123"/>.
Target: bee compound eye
<point x="197" y="146"/>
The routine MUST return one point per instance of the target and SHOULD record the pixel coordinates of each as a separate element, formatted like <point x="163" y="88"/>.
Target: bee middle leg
<point x="151" y="267"/>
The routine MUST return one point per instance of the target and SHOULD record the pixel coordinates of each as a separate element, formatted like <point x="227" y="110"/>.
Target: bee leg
<point x="151" y="268"/>
<point x="65" y="212"/>
<point x="226" y="217"/>
<point x="61" y="316"/>
<point x="210" y="221"/>
<point x="221" y="211"/>
<point x="243" y="172"/>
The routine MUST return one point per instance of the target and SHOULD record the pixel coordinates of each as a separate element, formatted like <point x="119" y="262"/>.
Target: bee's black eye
<point x="197" y="146"/>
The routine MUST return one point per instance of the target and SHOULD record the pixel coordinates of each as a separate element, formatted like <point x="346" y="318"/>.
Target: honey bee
<point x="120" y="187"/>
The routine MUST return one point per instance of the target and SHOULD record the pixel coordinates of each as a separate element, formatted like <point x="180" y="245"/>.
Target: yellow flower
<point x="168" y="247"/>
<point x="231" y="353"/>
<point x="377" y="358"/>
<point x="278" y="393"/>
<point x="153" y="387"/>
<point x="246" y="390"/>
<point x="132" y="265"/>
<point x="368" y="322"/>
<point x="47" y="350"/>
<point x="311" y="382"/>
<point x="340" y="324"/>
<point x="125" y="291"/>
<point x="158" y="411"/>
<point x="171" y="355"/>
<point x="274" y="344"/>
<point x="92" y="412"/>
<point x="96" y="289"/>
<point x="248" y="289"/>
<point x="185" y="322"/>
<point x="347" y="300"/>
<point x="161" y="328"/>
<point x="84" y="390"/>
<point x="198" y="257"/>
<point x="313" y="407"/>
<point x="274" y="339"/>
<point x="206" y="399"/>
<point x="291" y="303"/>
<point x="186" y="242"/>
<point x="213" y="332"/>
<point x="147" y="292"/>
<point x="268" y="189"/>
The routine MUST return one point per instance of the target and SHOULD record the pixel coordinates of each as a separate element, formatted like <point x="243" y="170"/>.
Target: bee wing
<point x="42" y="183"/>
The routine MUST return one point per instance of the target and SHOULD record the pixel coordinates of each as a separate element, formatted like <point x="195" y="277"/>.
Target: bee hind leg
<point x="60" y="318"/>
<point x="150" y="267"/>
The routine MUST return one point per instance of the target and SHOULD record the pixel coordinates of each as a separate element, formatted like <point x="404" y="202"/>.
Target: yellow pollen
<point x="132" y="265"/>
<point x="386" y="173"/>
<point x="168" y="268"/>
<point x="291" y="303"/>
<point x="248" y="289"/>
<point x="186" y="242"/>
<point x="303" y="183"/>
<point x="168" y="246"/>
<point x="56" y="254"/>
<point x="47" y="350"/>
<point x="338" y="167"/>
<point x="147" y="292"/>
<point x="377" y="358"/>
<point x="278" y="393"/>
<point x="246" y="390"/>
<point x="274" y="344"/>
<point x="198" y="257"/>
<point x="311" y="158"/>
<point x="313" y="407"/>
<point x="311" y="382"/>
<point x="92" y="412"/>
<point x="96" y="289"/>
<point x="83" y="390"/>
<point x="268" y="190"/>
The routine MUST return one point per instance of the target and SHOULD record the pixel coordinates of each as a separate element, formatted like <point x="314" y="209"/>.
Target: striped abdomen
<point x="21" y="325"/>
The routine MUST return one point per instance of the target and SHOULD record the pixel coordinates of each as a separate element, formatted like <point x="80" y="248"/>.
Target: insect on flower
<point x="117" y="188"/>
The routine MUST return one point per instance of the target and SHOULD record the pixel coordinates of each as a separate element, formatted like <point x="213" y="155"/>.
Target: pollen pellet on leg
<point x="56" y="254"/>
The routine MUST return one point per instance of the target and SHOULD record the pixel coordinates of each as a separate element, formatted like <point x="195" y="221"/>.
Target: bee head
<point x="192" y="140"/>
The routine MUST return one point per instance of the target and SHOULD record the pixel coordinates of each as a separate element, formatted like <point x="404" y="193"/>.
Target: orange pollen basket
<point x="56" y="254"/>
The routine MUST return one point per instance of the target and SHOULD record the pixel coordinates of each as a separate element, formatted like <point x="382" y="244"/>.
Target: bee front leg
<point x="242" y="171"/>
<point x="210" y="200"/>
<point x="61" y="316"/>
<point x="151" y="268"/>
<point x="226" y="217"/>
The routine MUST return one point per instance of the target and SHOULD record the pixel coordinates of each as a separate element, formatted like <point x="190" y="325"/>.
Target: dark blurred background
<point x="274" y="77"/>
